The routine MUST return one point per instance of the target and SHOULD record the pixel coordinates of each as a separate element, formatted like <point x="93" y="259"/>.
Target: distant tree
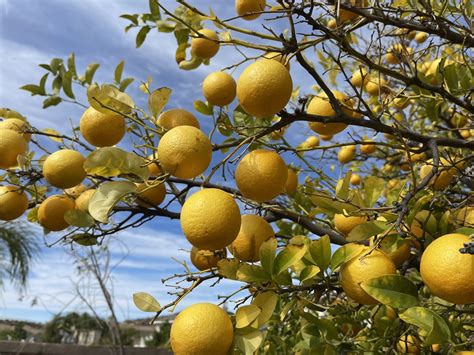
<point x="59" y="325"/>
<point x="160" y="338"/>
<point x="19" y="333"/>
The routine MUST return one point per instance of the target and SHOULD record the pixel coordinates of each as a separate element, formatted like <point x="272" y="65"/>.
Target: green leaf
<point x="9" y="113"/>
<point x="141" y="35"/>
<point x="165" y="26"/>
<point x="57" y="85"/>
<point x="228" y="268"/>
<point x="320" y="251"/>
<point x="154" y="9"/>
<point x="201" y="107"/>
<point x="245" y="315"/>
<point x="158" y="100"/>
<point x="113" y="161"/>
<point x="344" y="254"/>
<point x="288" y="257"/>
<point x="309" y="272"/>
<point x="131" y="18"/>
<point x="146" y="302"/>
<point x="51" y="101"/>
<point x="373" y="189"/>
<point x="366" y="230"/>
<point x="465" y="230"/>
<point x="55" y="64"/>
<point x="125" y="83"/>
<point x="90" y="71"/>
<point x="267" y="254"/>
<point x="107" y="195"/>
<point x="34" y="89"/>
<point x="78" y="218"/>
<point x="118" y="71"/>
<point x="342" y="188"/>
<point x="84" y="239"/>
<point x="392" y="290"/>
<point x="67" y="84"/>
<point x="330" y="204"/>
<point x="248" y="343"/>
<point x="32" y="215"/>
<point x="42" y="84"/>
<point x="267" y="302"/>
<point x="71" y="64"/>
<point x="251" y="273"/>
<point x="431" y="325"/>
<point x="108" y="98"/>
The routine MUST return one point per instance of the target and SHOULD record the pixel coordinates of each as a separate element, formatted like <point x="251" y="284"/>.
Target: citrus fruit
<point x="261" y="175"/>
<point x="376" y="86"/>
<point x="207" y="46"/>
<point x="177" y="117"/>
<point x="424" y="224"/>
<point x="345" y="224"/>
<point x="102" y="129"/>
<point x="397" y="250"/>
<point x="18" y="125"/>
<point x="249" y="9"/>
<point x="12" y="144"/>
<point x="254" y="230"/>
<point x="359" y="78"/>
<point x="420" y="37"/>
<point x="210" y="219"/>
<point x="82" y="202"/>
<point x="64" y="168"/>
<point x="444" y="175"/>
<point x="346" y="15"/>
<point x="279" y="57"/>
<point x="151" y="194"/>
<point x="358" y="270"/>
<point x="346" y="154"/>
<point x="206" y="259"/>
<point x="291" y="182"/>
<point x="13" y="202"/>
<point x="447" y="272"/>
<point x="408" y="344"/>
<point x="321" y="106"/>
<point x="75" y="191"/>
<point x="355" y="179"/>
<point x="219" y="88"/>
<point x="51" y="212"/>
<point x="368" y="148"/>
<point x="202" y="329"/>
<point x="264" y="88"/>
<point x="184" y="152"/>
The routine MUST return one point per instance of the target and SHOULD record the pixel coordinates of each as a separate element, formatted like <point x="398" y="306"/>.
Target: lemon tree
<point x="324" y="167"/>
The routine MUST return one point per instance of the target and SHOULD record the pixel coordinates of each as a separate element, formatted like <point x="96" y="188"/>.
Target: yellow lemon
<point x="82" y="202"/>
<point x="261" y="175"/>
<point x="345" y="224"/>
<point x="355" y="179"/>
<point x="102" y="129"/>
<point x="75" y="191"/>
<point x="444" y="175"/>
<point x="13" y="202"/>
<point x="207" y="46"/>
<point x="206" y="259"/>
<point x="291" y="182"/>
<point x="368" y="148"/>
<point x="408" y="344"/>
<point x="360" y="78"/>
<point x="12" y="145"/>
<point x="52" y="210"/>
<point x="249" y="9"/>
<point x="264" y="88"/>
<point x="219" y="88"/>
<point x="346" y="15"/>
<point x="210" y="219"/>
<point x="152" y="194"/>
<point x="18" y="125"/>
<point x="346" y="154"/>
<point x="64" y="168"/>
<point x="177" y="117"/>
<point x="279" y="57"/>
<point x="185" y="152"/>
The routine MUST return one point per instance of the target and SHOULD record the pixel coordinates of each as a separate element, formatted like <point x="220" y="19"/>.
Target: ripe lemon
<point x="51" y="212"/>
<point x="424" y="224"/>
<point x="151" y="195"/>
<point x="443" y="176"/>
<point x="355" y="179"/>
<point x="219" y="88"/>
<point x="202" y="329"/>
<point x="15" y="124"/>
<point x="346" y="154"/>
<point x="82" y="202"/>
<point x="12" y="144"/>
<point x="64" y="168"/>
<point x="399" y="253"/>
<point x="249" y="9"/>
<point x="408" y="344"/>
<point x="102" y="129"/>
<point x="13" y="202"/>
<point x="153" y="167"/>
<point x="367" y="148"/>
<point x="254" y="230"/>
<point x="207" y="46"/>
<point x="261" y="175"/>
<point x="321" y="106"/>
<point x="279" y="57"/>
<point x="346" y="15"/>
<point x="206" y="259"/>
<point x="75" y="191"/>
<point x="358" y="270"/>
<point x="360" y="78"/>
<point x="291" y="182"/>
<point x="376" y="86"/>
<point x="210" y="219"/>
<point x="185" y="152"/>
<point x="420" y="37"/>
<point x="310" y="142"/>
<point x="332" y="24"/>
<point x="326" y="137"/>
<point x="447" y="272"/>
<point x="177" y="117"/>
<point x="264" y="88"/>
<point x="345" y="224"/>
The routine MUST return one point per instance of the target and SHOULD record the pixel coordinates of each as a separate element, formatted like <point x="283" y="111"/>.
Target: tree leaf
<point x="34" y="89"/>
<point x="248" y="343"/>
<point x="146" y="302"/>
<point x="342" y="188"/>
<point x="267" y="254"/>
<point x="309" y="272"/>
<point x="373" y="189"/>
<point x="71" y="64"/>
<point x="113" y="161"/>
<point x="53" y="133"/>
<point x="158" y="100"/>
<point x="51" y="101"/>
<point x="201" y="107"/>
<point x="228" y="268"/>
<point x="125" y="83"/>
<point x="246" y="315"/>
<point x="320" y="251"/>
<point x="366" y="230"/>
<point x="252" y="273"/>
<point x="107" y="195"/>
<point x="267" y="302"/>
<point x="344" y="254"/>
<point x="107" y="98"/>
<point x="90" y="71"/>
<point x="118" y="71"/>
<point x="392" y="290"/>
<point x="327" y="203"/>
<point x="67" y="84"/>
<point x="425" y="319"/>
<point x="84" y="239"/>
<point x="288" y="257"/>
<point x="78" y="218"/>
<point x="141" y="35"/>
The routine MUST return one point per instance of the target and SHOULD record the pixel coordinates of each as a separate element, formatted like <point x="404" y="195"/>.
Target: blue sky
<point x="33" y="32"/>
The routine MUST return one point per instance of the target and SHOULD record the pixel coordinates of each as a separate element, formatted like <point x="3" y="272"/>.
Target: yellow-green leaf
<point x="432" y="326"/>
<point x="246" y="315"/>
<point x="366" y="230"/>
<point x="53" y="135"/>
<point x="288" y="257"/>
<point x="320" y="251"/>
<point x="344" y="254"/>
<point x="309" y="272"/>
<point x="252" y="273"/>
<point x="228" y="268"/>
<point x="267" y="254"/>
<point x="84" y="239"/>
<point x="78" y="218"/>
<point x="146" y="302"/>
<point x="267" y="302"/>
<point x="392" y="290"/>
<point x="107" y="98"/>
<point x="107" y="195"/>
<point x="157" y="100"/>
<point x="248" y="343"/>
